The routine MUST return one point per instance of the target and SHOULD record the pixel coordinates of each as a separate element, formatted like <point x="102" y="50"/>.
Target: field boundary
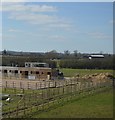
<point x="41" y="100"/>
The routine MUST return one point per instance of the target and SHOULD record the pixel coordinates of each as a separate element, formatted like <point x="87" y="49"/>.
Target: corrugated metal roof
<point x="96" y="55"/>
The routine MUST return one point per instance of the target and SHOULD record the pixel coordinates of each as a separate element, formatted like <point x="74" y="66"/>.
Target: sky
<point x="57" y="0"/>
<point x="44" y="26"/>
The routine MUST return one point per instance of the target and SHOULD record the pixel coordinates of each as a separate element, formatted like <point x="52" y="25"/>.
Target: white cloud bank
<point x="34" y="18"/>
<point x="99" y="35"/>
<point x="14" y="7"/>
<point x="14" y="30"/>
<point x="36" y="14"/>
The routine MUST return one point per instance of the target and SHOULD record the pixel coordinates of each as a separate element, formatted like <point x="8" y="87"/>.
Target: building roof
<point x="98" y="56"/>
<point x="24" y="68"/>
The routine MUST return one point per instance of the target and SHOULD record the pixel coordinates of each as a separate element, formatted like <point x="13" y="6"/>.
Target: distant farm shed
<point x="96" y="56"/>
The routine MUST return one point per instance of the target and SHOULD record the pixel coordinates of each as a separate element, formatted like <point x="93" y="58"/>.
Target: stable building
<point x="32" y="71"/>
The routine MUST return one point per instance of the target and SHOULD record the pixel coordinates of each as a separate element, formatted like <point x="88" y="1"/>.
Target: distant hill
<point x="19" y="53"/>
<point x="51" y="54"/>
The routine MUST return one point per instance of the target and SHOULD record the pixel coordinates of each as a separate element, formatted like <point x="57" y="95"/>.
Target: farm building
<point x="96" y="56"/>
<point x="32" y="70"/>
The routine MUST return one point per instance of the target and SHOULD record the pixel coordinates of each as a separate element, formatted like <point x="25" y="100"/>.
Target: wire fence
<point x="27" y="98"/>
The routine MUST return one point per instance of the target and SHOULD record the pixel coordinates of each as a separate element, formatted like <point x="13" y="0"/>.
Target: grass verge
<point x="96" y="106"/>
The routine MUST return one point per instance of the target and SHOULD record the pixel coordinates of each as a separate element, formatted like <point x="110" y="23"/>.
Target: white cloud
<point x="43" y="8"/>
<point x="7" y="37"/>
<point x="34" y="18"/>
<point x="14" y="30"/>
<point x="57" y="38"/>
<point x="37" y="15"/>
<point x="14" y="7"/>
<point x="36" y="35"/>
<point x="62" y="24"/>
<point x="99" y="35"/>
<point x="14" y="0"/>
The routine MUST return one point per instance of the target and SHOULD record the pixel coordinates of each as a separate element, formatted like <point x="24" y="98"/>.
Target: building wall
<point x="26" y="73"/>
<point x="38" y="73"/>
<point x="36" y="64"/>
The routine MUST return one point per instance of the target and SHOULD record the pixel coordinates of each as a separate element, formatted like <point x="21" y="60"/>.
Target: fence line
<point x="41" y="96"/>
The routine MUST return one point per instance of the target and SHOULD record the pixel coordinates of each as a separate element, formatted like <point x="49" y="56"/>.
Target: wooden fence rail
<point x="40" y="96"/>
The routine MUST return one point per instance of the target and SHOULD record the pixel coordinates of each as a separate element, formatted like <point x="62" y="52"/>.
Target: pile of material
<point x="98" y="77"/>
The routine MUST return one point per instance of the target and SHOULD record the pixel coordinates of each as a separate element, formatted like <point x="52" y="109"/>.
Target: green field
<point x="97" y="106"/>
<point x="72" y="72"/>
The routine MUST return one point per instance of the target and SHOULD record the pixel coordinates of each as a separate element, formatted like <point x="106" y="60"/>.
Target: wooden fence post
<point x="48" y="93"/>
<point x="71" y="89"/>
<point x="9" y="113"/>
<point x="20" y="85"/>
<point x="13" y="84"/>
<point x="6" y="85"/>
<point x="42" y="100"/>
<point x="17" y="111"/>
<point x="36" y="86"/>
<point x="63" y="89"/>
<point x="28" y="85"/>
<point x="40" y="84"/>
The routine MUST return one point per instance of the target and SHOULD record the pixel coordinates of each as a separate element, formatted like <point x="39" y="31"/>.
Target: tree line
<point x="73" y="60"/>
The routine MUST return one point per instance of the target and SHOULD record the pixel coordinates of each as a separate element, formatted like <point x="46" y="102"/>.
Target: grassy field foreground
<point x="97" y="106"/>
